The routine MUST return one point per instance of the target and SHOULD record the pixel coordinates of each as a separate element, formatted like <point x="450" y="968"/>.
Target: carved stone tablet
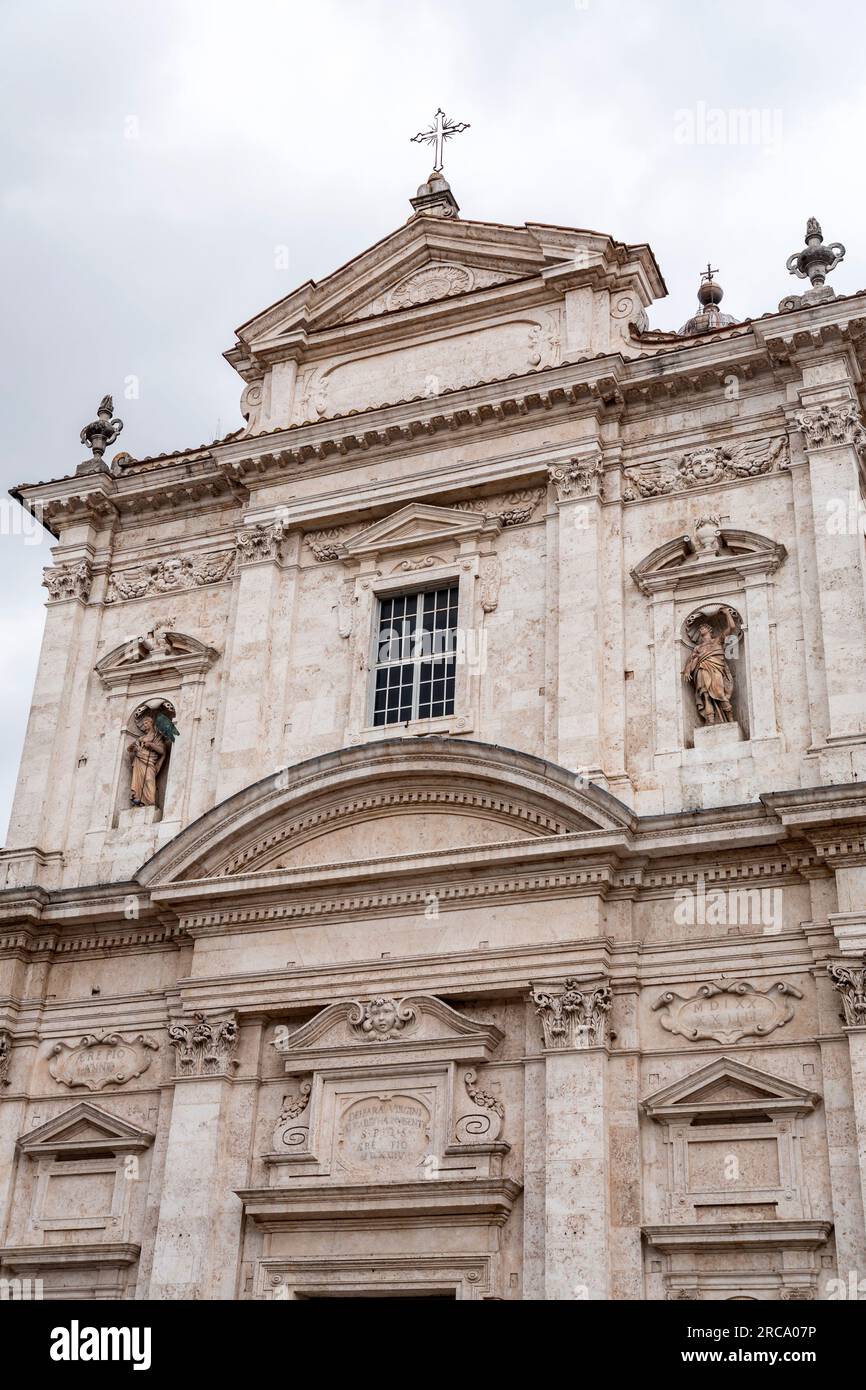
<point x="99" y="1060"/>
<point x="727" y="1012"/>
<point x="387" y="1135"/>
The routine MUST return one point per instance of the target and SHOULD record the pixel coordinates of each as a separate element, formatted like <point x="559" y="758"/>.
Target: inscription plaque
<point x="385" y="1135"/>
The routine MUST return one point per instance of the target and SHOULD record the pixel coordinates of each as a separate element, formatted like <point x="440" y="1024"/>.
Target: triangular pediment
<point x="430" y="261"/>
<point x="84" y="1128"/>
<point x="419" y="525"/>
<point x="727" y="1086"/>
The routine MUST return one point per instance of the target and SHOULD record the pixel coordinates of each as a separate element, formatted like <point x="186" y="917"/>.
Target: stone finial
<point x="99" y="434"/>
<point x="813" y="264"/>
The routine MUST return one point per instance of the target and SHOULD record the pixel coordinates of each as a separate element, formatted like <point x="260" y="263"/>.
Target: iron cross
<point x="441" y="130"/>
<point x="708" y="273"/>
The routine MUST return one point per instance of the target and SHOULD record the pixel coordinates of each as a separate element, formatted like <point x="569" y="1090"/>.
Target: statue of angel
<point x="707" y="668"/>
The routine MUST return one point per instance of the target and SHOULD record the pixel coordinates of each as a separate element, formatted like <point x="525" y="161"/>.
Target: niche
<point x="145" y="761"/>
<point x="714" y="670"/>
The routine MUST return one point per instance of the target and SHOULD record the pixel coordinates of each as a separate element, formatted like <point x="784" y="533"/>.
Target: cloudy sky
<point x="157" y="158"/>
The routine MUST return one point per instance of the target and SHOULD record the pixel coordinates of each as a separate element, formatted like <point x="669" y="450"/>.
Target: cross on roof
<point x="441" y="130"/>
<point x="708" y="273"/>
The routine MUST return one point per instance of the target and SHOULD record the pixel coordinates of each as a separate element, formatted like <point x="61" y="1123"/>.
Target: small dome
<point x="709" y="316"/>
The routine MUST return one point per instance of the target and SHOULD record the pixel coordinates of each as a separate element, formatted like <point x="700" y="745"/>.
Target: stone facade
<point x="553" y="991"/>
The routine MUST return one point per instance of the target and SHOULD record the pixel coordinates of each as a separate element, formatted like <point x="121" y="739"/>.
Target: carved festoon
<point x="5" y="1056"/>
<point x="850" y="981"/>
<point x="572" y="1017"/>
<point x="204" y="1047"/>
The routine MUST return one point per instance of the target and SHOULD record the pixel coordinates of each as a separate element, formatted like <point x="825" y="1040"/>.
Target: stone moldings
<point x="725" y="1012"/>
<point x="170" y="576"/>
<point x="571" y="1016"/>
<point x="68" y="581"/>
<point x="850" y="981"/>
<point x="205" y="1047"/>
<point x="101" y="1059"/>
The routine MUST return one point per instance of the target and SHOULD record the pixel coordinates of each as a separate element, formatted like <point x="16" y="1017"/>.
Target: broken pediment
<point x="712" y="552"/>
<point x="159" y="653"/>
<point x="84" y="1129"/>
<point x="727" y="1088"/>
<point x="382" y="1028"/>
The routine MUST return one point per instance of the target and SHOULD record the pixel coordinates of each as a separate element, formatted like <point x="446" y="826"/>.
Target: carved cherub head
<point x="381" y="1016"/>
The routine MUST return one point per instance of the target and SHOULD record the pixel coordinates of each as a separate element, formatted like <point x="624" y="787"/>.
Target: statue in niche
<point x="714" y="634"/>
<point x="156" y="733"/>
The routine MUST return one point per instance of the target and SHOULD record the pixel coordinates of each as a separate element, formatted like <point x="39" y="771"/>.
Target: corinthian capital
<point x="579" y="477"/>
<point x="68" y="581"/>
<point x="572" y="1017"/>
<point x="850" y="981"/>
<point x="260" y="542"/>
<point x="828" y="425"/>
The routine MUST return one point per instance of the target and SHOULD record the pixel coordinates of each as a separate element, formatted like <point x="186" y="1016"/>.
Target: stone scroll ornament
<point x="156" y="732"/>
<point x="5" y="1056"/>
<point x="725" y="1012"/>
<point x="101" y="1059"/>
<point x="381" y="1019"/>
<point x="571" y="1017"/>
<point x="714" y="634"/>
<point x="850" y="981"/>
<point x="483" y="1123"/>
<point x="204" y="1047"/>
<point x="288" y="1134"/>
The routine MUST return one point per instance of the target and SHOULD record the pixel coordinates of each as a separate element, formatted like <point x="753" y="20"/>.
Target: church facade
<point x="438" y="862"/>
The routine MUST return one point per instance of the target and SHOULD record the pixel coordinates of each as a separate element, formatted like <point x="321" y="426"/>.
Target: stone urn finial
<point x="813" y="264"/>
<point x="99" y="434"/>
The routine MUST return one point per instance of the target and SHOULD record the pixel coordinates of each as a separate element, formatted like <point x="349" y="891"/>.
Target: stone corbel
<point x="292" y="1129"/>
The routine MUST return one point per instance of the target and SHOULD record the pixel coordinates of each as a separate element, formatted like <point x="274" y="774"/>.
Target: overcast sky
<point x="156" y="155"/>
